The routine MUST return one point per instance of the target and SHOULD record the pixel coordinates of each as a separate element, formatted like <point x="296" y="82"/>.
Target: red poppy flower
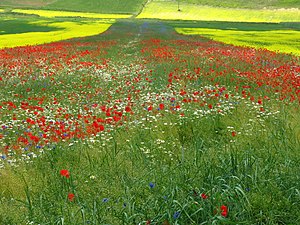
<point x="116" y="118"/>
<point x="127" y="109"/>
<point x="204" y="196"/>
<point x="224" y="210"/>
<point x="101" y="128"/>
<point x="71" y="197"/>
<point x="65" y="173"/>
<point x="161" y="106"/>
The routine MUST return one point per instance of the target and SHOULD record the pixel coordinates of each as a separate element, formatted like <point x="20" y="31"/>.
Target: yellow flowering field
<point x="168" y="10"/>
<point x="52" y="14"/>
<point x="68" y="29"/>
<point x="286" y="41"/>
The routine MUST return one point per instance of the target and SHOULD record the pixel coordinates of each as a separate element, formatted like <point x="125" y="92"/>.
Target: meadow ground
<point x="161" y="126"/>
<point x="153" y="128"/>
<point x="133" y="6"/>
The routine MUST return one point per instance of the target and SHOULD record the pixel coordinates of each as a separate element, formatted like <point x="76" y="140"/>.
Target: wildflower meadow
<point x="143" y="124"/>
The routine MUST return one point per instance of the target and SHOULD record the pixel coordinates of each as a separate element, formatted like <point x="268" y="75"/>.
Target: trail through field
<point x="135" y="32"/>
<point x="142" y="29"/>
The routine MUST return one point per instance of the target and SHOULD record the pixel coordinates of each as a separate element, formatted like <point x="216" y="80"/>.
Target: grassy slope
<point x="103" y="6"/>
<point x="29" y="3"/>
<point x="120" y="6"/>
<point x="133" y="6"/>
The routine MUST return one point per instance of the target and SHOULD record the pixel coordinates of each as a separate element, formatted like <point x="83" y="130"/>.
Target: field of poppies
<point x="151" y="128"/>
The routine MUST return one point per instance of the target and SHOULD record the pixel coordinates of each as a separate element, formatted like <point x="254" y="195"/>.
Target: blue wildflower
<point x="105" y="200"/>
<point x="152" y="185"/>
<point x="176" y="215"/>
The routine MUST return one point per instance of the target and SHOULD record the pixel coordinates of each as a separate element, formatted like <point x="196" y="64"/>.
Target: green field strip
<point x="95" y="6"/>
<point x="103" y="6"/>
<point x="17" y="26"/>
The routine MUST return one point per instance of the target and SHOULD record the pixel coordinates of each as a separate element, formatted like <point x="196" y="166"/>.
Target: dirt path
<point x="140" y="29"/>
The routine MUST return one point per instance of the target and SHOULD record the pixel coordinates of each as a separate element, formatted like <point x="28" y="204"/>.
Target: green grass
<point x="168" y="10"/>
<point x="282" y="37"/>
<point x="103" y="6"/>
<point x="28" y="3"/>
<point x="97" y="6"/>
<point x="249" y="176"/>
<point x="14" y="26"/>
<point x="133" y="6"/>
